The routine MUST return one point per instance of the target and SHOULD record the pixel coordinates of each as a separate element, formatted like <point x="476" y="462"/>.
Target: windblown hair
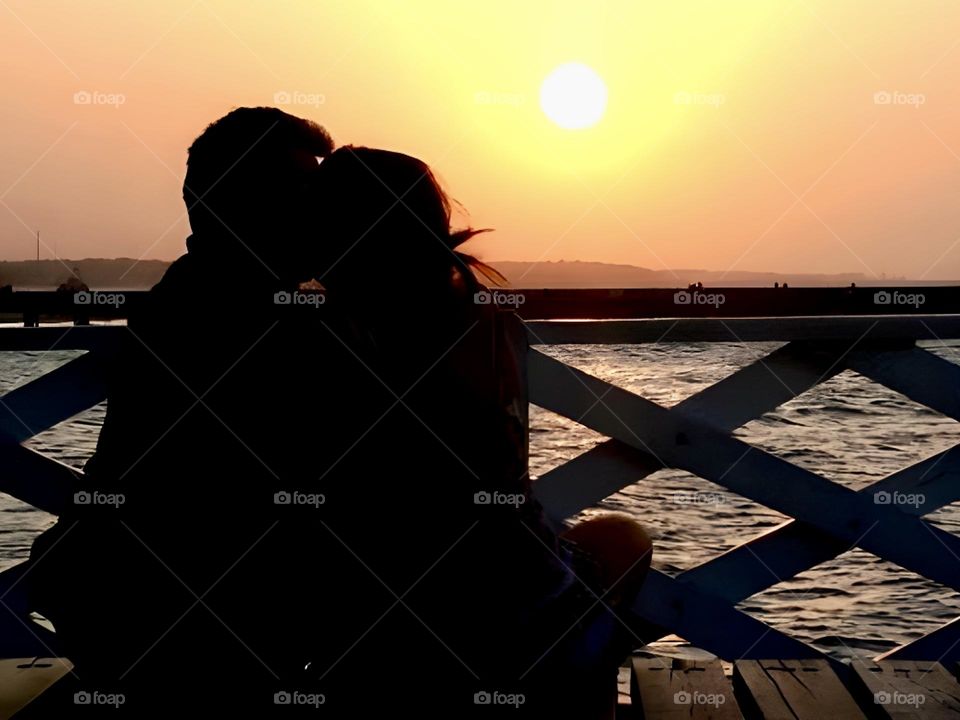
<point x="394" y="216"/>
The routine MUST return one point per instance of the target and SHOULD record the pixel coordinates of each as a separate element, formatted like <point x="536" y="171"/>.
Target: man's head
<point x="245" y="184"/>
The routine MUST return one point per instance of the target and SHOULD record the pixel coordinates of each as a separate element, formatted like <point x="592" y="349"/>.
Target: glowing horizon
<point x="761" y="136"/>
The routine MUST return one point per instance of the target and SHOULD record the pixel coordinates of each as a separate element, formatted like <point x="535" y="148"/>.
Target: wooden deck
<point x="23" y="679"/>
<point x="662" y="688"/>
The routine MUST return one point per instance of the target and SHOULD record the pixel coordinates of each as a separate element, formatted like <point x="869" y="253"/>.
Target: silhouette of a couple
<point x="315" y="497"/>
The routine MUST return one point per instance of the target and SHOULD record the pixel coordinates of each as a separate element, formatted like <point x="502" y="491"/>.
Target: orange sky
<point x="739" y="135"/>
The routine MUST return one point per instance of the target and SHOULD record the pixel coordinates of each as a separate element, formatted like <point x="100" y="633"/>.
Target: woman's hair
<point x="388" y="216"/>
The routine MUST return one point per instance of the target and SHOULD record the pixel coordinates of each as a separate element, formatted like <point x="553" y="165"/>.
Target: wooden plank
<point x="792" y="690"/>
<point x="23" y="679"/>
<point x="901" y="689"/>
<point x="690" y="445"/>
<point x="685" y="330"/>
<point x="623" y="687"/>
<point x="739" y="398"/>
<point x="671" y="689"/>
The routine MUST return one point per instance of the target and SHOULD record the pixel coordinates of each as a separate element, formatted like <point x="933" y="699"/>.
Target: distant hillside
<point x="577" y="274"/>
<point x="130" y="274"/>
<point x="116" y="274"/>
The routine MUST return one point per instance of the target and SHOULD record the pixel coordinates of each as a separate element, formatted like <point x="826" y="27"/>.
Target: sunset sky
<point x="780" y="135"/>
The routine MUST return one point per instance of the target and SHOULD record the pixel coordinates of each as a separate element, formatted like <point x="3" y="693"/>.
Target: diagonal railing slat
<point x="764" y="478"/>
<point x="726" y="631"/>
<point x="52" y="398"/>
<point x="918" y="374"/>
<point x="36" y="479"/>
<point x="794" y="547"/>
<point x="747" y="394"/>
<point x="943" y="644"/>
<point x="776" y="556"/>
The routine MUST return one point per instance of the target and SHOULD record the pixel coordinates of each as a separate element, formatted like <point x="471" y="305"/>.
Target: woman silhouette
<point x="436" y="495"/>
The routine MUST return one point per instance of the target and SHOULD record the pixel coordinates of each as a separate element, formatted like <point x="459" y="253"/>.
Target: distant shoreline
<point x="132" y="274"/>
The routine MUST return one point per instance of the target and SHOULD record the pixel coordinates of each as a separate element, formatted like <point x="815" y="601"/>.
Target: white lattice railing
<point x="644" y="437"/>
<point x="695" y="436"/>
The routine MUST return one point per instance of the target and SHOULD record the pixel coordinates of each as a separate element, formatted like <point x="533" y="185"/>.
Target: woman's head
<point x="387" y="221"/>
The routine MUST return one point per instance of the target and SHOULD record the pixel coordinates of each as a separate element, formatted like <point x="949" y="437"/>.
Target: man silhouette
<point x="181" y="578"/>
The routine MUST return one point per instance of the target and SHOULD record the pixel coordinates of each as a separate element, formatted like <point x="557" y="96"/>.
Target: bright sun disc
<point x="573" y="96"/>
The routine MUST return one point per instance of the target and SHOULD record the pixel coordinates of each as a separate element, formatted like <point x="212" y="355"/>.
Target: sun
<point x="573" y="96"/>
